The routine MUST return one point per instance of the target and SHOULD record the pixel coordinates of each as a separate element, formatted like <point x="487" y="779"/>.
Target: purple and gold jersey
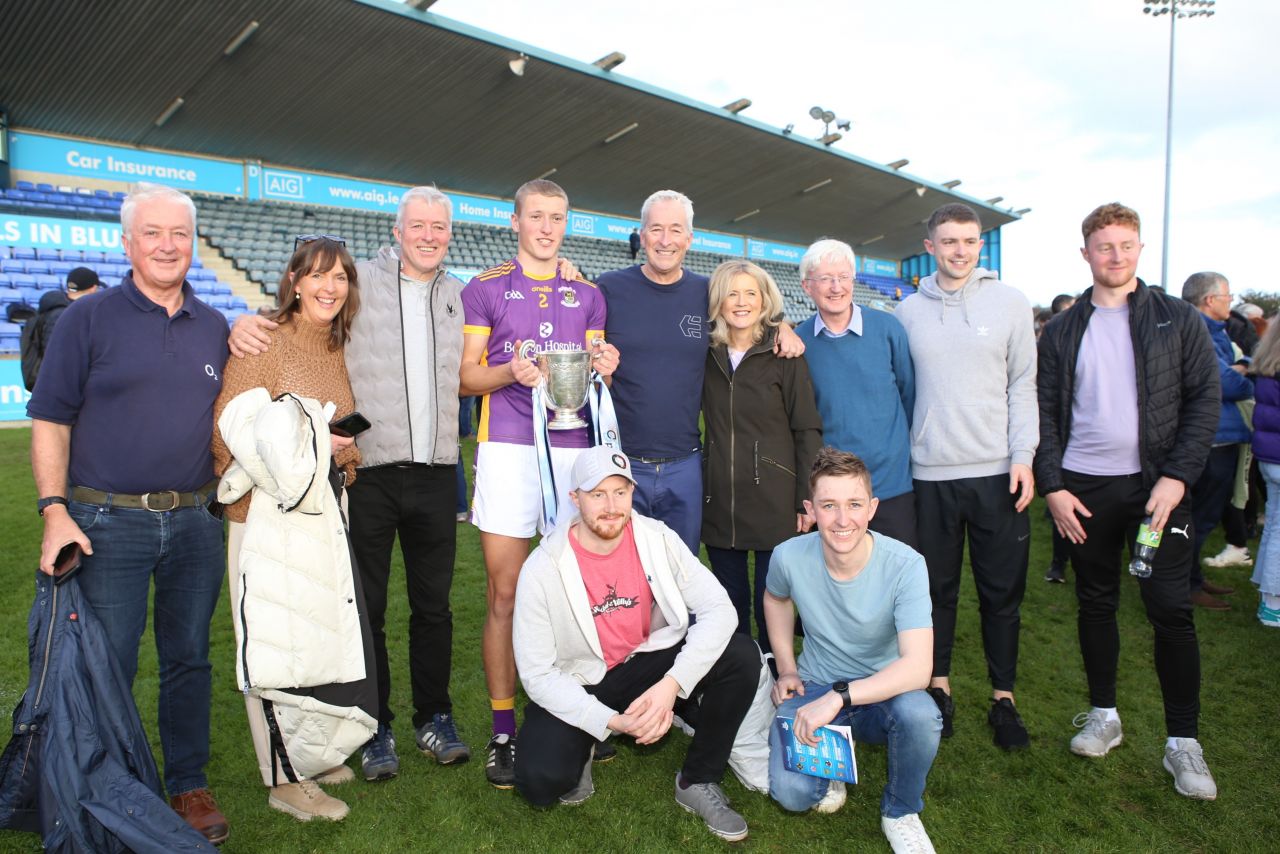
<point x="509" y="305"/>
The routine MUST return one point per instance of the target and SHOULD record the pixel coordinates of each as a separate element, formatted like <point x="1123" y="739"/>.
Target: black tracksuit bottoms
<point x="551" y="753"/>
<point x="1118" y="504"/>
<point x="999" y="548"/>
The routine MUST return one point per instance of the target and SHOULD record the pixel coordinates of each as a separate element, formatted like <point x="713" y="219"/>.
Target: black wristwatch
<point x="46" y="502"/>
<point x="842" y="688"/>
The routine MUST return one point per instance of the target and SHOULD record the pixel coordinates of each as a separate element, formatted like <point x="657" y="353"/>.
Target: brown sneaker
<point x="200" y="810"/>
<point x="306" y="800"/>
<point x="1209" y="603"/>
<point x="1216" y="589"/>
<point x="335" y="776"/>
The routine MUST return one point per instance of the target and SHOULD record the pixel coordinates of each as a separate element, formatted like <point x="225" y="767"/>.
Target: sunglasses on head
<point x="303" y="239"/>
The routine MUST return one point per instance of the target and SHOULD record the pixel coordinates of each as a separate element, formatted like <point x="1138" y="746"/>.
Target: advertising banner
<point x="13" y="395"/>
<point x="74" y="158"/>
<point x="763" y="250"/>
<point x="43" y="232"/>
<point x="877" y="266"/>
<point x="289" y="185"/>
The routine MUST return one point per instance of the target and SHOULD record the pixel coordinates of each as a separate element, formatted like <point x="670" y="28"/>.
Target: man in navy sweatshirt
<point x="973" y="437"/>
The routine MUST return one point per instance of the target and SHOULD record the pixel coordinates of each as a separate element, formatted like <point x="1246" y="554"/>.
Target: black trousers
<point x="729" y="566"/>
<point x="416" y="502"/>
<point x="1210" y="497"/>
<point x="999" y="548"/>
<point x="896" y="517"/>
<point x="1117" y="505"/>
<point x="552" y="752"/>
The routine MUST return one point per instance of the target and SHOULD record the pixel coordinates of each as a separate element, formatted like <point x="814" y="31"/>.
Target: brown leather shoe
<point x="1216" y="589"/>
<point x="1209" y="603"/>
<point x="200" y="810"/>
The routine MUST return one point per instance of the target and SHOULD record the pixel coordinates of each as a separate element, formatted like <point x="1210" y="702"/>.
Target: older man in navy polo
<point x="122" y="415"/>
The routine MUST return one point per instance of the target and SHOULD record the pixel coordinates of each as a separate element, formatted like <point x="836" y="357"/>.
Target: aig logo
<point x="582" y="224"/>
<point x="513" y="295"/>
<point x="283" y="185"/>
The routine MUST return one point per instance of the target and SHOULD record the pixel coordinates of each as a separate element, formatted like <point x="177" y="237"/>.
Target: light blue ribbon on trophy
<point x="604" y="419"/>
<point x="542" y="444"/>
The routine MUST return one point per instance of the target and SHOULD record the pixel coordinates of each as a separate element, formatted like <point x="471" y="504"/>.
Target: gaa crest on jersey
<point x="568" y="297"/>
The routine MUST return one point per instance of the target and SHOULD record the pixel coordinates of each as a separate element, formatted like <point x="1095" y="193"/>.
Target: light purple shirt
<point x="1104" y="410"/>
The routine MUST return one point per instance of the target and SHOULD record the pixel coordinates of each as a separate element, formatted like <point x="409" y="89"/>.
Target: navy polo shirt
<point x="137" y="387"/>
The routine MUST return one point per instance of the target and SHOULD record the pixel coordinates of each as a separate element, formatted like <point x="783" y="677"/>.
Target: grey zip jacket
<point x="375" y="363"/>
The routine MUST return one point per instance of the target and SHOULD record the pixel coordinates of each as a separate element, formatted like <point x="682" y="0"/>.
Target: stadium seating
<point x="48" y="200"/>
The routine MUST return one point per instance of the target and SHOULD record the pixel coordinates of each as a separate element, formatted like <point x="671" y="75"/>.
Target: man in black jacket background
<point x="1129" y="397"/>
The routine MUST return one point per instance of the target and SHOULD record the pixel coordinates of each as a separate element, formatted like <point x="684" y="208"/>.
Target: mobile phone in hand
<point x="67" y="562"/>
<point x="350" y="426"/>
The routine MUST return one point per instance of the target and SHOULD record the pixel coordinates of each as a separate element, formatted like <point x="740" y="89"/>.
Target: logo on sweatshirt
<point x="691" y="326"/>
<point x="983" y="332"/>
<point x="1182" y="531"/>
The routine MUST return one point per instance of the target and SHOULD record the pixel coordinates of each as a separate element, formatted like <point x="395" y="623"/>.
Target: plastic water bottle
<point x="1144" y="549"/>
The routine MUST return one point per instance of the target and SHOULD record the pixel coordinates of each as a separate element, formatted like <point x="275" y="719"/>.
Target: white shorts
<point x="508" y="496"/>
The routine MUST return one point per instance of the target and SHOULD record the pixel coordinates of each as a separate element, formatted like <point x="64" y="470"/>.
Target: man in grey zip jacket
<point x="406" y="384"/>
<point x="973" y="437"/>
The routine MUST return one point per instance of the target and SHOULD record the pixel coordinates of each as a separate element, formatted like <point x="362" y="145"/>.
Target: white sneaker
<point x="1230" y="556"/>
<point x="833" y="799"/>
<point x="1098" y="735"/>
<point x="906" y="835"/>
<point x="1191" y="777"/>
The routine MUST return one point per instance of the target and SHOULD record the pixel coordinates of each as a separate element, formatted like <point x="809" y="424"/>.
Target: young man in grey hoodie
<point x="974" y="434"/>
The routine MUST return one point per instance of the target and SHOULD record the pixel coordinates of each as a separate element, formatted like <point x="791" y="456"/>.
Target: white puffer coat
<point x="295" y="611"/>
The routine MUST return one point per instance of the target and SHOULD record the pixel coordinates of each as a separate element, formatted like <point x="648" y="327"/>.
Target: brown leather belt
<point x="156" y="502"/>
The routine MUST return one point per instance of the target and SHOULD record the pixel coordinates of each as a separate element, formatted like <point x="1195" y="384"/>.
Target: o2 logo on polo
<point x="582" y="224"/>
<point x="281" y="185"/>
<point x="545" y="329"/>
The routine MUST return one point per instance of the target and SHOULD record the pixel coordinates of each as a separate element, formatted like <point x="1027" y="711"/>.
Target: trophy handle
<point x="528" y="349"/>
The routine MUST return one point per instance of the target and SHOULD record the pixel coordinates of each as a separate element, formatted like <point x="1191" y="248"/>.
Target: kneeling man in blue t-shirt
<point x="868" y="648"/>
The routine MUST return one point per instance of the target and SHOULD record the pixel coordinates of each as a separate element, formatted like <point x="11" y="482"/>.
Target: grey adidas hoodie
<point x="974" y="352"/>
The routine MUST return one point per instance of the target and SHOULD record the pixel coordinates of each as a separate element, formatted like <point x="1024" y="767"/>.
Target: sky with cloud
<point x="1054" y="106"/>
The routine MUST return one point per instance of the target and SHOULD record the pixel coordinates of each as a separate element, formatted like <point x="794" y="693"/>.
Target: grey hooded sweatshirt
<point x="974" y="352"/>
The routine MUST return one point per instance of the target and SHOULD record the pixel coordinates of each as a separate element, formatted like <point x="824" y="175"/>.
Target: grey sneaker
<point x="833" y="799"/>
<point x="708" y="801"/>
<point x="1191" y="777"/>
<point x="379" y="760"/>
<point x="438" y="738"/>
<point x="1097" y="736"/>
<point x="579" y="793"/>
<point x="906" y="834"/>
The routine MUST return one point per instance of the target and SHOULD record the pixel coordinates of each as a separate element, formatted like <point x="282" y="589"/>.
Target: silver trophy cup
<point x="567" y="374"/>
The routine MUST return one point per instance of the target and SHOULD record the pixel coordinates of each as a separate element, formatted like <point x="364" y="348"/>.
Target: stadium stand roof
<point x="375" y="89"/>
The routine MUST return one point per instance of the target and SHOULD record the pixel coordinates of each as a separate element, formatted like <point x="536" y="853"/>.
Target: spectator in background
<point x="1241" y="328"/>
<point x="762" y="432"/>
<point x="38" y="331"/>
<point x="633" y="240"/>
<point x="1109" y="458"/>
<point x="1211" y="493"/>
<point x="121" y="423"/>
<point x="973" y="436"/>
<point x="1266" y="449"/>
<point x="863" y="381"/>
<point x="403" y="360"/>
<point x="1057" y="572"/>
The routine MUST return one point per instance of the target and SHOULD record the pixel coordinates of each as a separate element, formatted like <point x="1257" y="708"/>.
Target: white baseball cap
<point x="595" y="464"/>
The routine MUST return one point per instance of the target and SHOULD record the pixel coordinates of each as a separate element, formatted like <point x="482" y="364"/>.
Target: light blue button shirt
<point x="855" y="324"/>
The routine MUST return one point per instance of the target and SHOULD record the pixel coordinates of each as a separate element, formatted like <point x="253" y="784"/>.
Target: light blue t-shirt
<point x="1104" y="409"/>
<point x="851" y="627"/>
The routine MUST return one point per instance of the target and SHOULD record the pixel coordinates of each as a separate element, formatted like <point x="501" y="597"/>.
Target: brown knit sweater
<point x="299" y="361"/>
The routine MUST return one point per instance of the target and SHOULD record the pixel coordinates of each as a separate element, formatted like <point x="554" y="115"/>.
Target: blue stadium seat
<point x="92" y="256"/>
<point x="5" y="252"/>
<point x="73" y="255"/>
<point x="46" y="188"/>
<point x="9" y="265"/>
<point x="110" y="281"/>
<point x="219" y="301"/>
<point x="239" y="303"/>
<point x="202" y="289"/>
<point x="47" y="282"/>
<point x="31" y="295"/>
<point x="102" y="194"/>
<point x="17" y="195"/>
<point x="118" y="196"/>
<point x="22" y="280"/>
<point x="61" y="268"/>
<point x="87" y="210"/>
<point x="34" y="267"/>
<point x="115" y="258"/>
<point x="8" y="295"/>
<point x="48" y="255"/>
<point x="24" y="253"/>
<point x="25" y="185"/>
<point x="4" y="280"/>
<point x="222" y="288"/>
<point x="196" y="262"/>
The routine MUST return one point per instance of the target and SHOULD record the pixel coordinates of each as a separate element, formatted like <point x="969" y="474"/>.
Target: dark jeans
<point x="671" y="492"/>
<point x="1209" y="498"/>
<point x="182" y="550"/>
<point x="552" y="752"/>
<point x="896" y="517"/>
<point x="999" y="548"/>
<point x="1118" y="505"/>
<point x="417" y="502"/>
<point x="730" y="568"/>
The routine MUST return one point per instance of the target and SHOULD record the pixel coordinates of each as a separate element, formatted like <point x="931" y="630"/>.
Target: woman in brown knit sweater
<point x="317" y="301"/>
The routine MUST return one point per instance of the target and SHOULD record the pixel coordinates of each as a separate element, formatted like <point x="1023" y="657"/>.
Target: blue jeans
<point x="671" y="493"/>
<point x="1266" y="569"/>
<point x="182" y="549"/>
<point x="908" y="723"/>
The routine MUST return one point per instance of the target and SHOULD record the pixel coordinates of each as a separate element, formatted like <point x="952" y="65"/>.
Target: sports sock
<point x="1112" y="714"/>
<point x="504" y="716"/>
<point x="1171" y="742"/>
<point x="1271" y="600"/>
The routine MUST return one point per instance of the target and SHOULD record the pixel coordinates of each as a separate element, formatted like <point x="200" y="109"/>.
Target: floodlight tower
<point x="1175" y="9"/>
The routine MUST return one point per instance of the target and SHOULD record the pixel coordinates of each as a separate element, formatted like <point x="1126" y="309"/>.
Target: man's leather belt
<point x="156" y="502"/>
